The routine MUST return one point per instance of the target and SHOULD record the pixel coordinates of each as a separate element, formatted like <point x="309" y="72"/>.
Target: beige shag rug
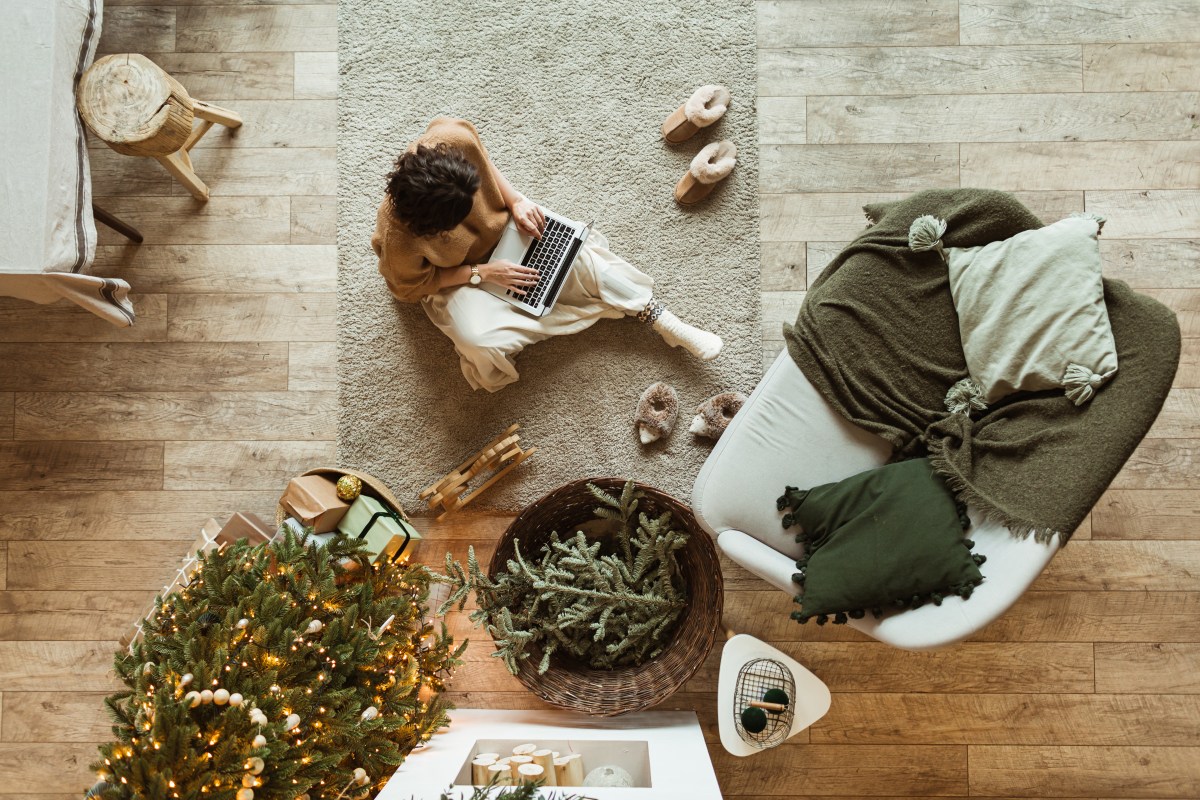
<point x="568" y="98"/>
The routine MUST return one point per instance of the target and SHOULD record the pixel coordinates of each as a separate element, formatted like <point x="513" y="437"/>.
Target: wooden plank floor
<point x="116" y="445"/>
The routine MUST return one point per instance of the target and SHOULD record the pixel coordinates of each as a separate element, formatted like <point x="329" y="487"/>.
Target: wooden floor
<point x="1089" y="688"/>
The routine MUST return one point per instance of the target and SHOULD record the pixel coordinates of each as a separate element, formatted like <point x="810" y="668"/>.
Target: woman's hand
<point x="513" y="277"/>
<point x="529" y="217"/>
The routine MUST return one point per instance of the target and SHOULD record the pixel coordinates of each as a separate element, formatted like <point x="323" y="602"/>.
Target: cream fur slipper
<point x="677" y="333"/>
<point x="656" y="412"/>
<point x="706" y="105"/>
<point x="710" y="166"/>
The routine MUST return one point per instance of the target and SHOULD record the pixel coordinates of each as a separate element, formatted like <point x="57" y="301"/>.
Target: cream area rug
<point x="568" y="99"/>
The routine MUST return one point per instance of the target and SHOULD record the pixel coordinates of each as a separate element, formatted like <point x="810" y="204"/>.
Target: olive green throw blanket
<point x="878" y="336"/>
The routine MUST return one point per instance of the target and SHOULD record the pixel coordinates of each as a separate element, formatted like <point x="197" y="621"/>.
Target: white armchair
<point x="786" y="434"/>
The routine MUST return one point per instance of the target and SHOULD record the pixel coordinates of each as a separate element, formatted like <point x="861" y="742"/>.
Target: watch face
<point x="476" y="280"/>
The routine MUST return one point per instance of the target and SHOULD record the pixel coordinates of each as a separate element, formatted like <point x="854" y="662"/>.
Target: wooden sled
<point x="500" y="457"/>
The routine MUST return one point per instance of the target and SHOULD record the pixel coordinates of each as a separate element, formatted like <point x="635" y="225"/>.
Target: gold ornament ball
<point x="349" y="488"/>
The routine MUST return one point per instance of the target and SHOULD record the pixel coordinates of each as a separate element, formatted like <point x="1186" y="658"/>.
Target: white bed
<point x="47" y="232"/>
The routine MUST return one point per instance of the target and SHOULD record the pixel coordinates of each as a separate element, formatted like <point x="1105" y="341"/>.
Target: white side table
<point x="810" y="703"/>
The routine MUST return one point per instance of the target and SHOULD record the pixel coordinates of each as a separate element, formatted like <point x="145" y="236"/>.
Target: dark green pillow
<point x="888" y="538"/>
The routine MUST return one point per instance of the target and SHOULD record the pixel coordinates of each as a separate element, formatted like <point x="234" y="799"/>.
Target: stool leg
<point x="222" y="116"/>
<point x="180" y="165"/>
<point x="117" y="224"/>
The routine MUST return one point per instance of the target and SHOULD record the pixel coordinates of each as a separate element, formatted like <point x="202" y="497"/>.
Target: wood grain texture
<point x="1148" y="667"/>
<point x="55" y="717"/>
<point x="919" y="70"/>
<point x="781" y="120"/>
<point x="119" y="514"/>
<point x="1072" y="165"/>
<point x="21" y="321"/>
<point x="1126" y="772"/>
<point x="228" y="171"/>
<point x="234" y="29"/>
<point x="838" y="216"/>
<point x="203" y="269"/>
<point x="314" y="220"/>
<point x="1024" y="22"/>
<point x="232" y="76"/>
<point x="1025" y="719"/>
<point x="58" y="770"/>
<point x="1124" y="566"/>
<point x="1146" y="514"/>
<point x="857" y="168"/>
<point x="853" y="770"/>
<point x="144" y="366"/>
<point x="7" y="410"/>
<point x="177" y="415"/>
<point x="784" y="267"/>
<point x="138" y="30"/>
<point x="1148" y="215"/>
<point x="1162" y="464"/>
<point x="259" y="317"/>
<point x="47" y="666"/>
<point x="250" y="220"/>
<point x="1151" y="263"/>
<point x="316" y="75"/>
<point x="49" y="566"/>
<point x="312" y="366"/>
<point x="1179" y="417"/>
<point x="69" y="465"/>
<point x="241" y="465"/>
<point x="39" y="615"/>
<point x="1141" y="67"/>
<point x="1094" y="116"/>
<point x="782" y="23"/>
<point x="276" y="123"/>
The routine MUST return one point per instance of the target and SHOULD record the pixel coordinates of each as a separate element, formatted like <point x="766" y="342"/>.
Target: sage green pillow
<point x="887" y="538"/>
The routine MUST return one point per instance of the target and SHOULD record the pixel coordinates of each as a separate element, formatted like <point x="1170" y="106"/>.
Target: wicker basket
<point x="574" y="686"/>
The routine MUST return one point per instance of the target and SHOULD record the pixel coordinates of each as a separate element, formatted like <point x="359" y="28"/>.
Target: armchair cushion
<point x="889" y="537"/>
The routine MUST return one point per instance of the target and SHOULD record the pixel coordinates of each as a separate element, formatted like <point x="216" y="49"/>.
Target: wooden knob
<point x="134" y="106"/>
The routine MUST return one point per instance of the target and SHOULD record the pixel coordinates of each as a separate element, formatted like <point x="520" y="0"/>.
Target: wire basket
<point x="575" y="686"/>
<point x="754" y="679"/>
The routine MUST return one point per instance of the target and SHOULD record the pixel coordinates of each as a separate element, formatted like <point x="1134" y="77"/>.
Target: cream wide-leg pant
<point x="488" y="333"/>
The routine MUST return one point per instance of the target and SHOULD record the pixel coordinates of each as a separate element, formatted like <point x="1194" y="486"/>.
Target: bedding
<point x="878" y="337"/>
<point x="887" y="538"/>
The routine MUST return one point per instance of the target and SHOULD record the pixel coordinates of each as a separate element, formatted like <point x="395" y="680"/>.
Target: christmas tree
<point x="278" y="673"/>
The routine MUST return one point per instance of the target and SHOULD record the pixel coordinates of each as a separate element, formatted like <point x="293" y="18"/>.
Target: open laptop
<point x="552" y="256"/>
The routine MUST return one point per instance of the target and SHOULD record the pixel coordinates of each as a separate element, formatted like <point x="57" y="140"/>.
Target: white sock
<point x="677" y="333"/>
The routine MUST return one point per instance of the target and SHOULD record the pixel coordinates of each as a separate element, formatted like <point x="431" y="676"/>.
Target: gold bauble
<point x="349" y="488"/>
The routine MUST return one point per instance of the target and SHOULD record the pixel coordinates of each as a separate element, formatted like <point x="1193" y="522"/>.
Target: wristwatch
<point x="475" y="277"/>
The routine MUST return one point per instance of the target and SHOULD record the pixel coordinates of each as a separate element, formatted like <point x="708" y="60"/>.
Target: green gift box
<point x="387" y="535"/>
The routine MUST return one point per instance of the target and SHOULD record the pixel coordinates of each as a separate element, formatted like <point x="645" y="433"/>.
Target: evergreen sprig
<point x="245" y="624"/>
<point x="609" y="601"/>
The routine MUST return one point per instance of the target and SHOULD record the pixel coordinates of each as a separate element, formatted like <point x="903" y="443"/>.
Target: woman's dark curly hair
<point x="432" y="188"/>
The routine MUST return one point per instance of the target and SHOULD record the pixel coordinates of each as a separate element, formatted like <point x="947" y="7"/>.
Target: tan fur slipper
<point x="710" y="166"/>
<point x="706" y="105"/>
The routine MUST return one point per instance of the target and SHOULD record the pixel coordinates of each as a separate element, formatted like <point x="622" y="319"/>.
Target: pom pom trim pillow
<point x="1031" y="312"/>
<point x="884" y="539"/>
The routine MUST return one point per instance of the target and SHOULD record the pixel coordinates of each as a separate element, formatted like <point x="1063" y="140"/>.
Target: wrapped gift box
<point x="387" y="535"/>
<point x="313" y="500"/>
<point x="244" y="525"/>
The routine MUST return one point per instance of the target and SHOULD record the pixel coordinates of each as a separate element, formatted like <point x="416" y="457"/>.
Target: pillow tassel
<point x="964" y="397"/>
<point x="926" y="234"/>
<point x="1081" y="383"/>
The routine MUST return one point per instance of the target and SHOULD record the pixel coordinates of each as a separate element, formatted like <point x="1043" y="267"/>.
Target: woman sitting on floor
<point x="446" y="208"/>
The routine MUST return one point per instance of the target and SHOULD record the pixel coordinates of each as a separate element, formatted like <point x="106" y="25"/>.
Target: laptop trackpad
<point x="512" y="245"/>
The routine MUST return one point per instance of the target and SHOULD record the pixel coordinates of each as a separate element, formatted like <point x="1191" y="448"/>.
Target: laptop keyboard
<point x="546" y="257"/>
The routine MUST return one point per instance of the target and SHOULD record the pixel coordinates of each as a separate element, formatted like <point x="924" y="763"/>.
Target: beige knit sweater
<point x="410" y="263"/>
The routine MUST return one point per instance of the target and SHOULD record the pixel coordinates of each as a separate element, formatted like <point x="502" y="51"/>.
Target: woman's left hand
<point x="529" y="217"/>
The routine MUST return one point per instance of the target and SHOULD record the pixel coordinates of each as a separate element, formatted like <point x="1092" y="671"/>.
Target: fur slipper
<point x="710" y="166"/>
<point x="656" y="412"/>
<point x="706" y="105"/>
<point x="713" y="415"/>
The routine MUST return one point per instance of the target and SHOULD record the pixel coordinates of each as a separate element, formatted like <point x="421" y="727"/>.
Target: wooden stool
<point x="138" y="109"/>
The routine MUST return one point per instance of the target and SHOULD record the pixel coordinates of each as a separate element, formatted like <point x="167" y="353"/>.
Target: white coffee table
<point x="810" y="703"/>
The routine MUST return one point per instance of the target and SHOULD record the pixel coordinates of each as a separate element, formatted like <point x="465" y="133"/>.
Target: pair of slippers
<point x="658" y="409"/>
<point x="715" y="161"/>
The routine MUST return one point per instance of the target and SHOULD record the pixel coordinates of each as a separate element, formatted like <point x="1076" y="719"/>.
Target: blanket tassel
<point x="926" y="234"/>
